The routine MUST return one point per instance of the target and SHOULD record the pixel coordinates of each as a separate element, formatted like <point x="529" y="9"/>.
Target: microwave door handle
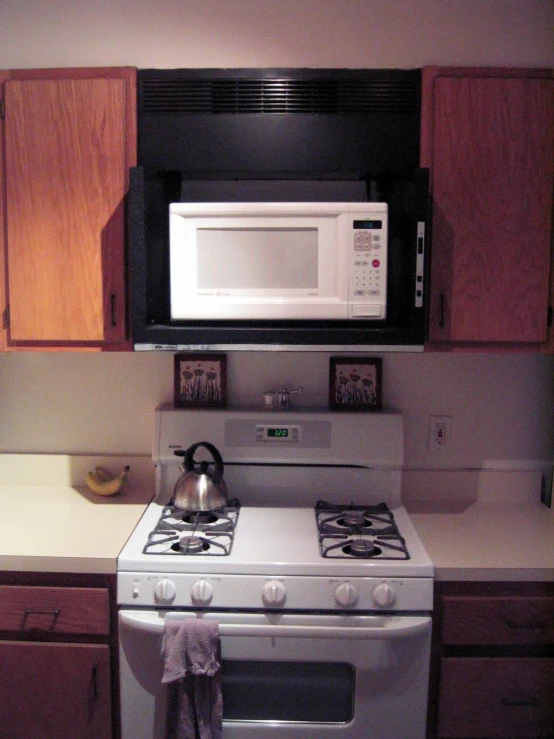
<point x="394" y="627"/>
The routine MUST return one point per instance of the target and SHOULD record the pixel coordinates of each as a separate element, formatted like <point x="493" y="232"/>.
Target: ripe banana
<point x="102" y="483"/>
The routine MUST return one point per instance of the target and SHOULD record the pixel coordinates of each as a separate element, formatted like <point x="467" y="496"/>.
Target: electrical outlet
<point x="440" y="432"/>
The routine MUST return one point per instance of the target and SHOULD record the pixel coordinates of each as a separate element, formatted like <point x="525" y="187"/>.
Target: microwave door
<point x="250" y="267"/>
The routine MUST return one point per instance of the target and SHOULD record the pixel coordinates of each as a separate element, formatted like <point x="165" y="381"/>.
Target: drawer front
<point x="498" y="620"/>
<point x="54" y="610"/>
<point x="496" y="697"/>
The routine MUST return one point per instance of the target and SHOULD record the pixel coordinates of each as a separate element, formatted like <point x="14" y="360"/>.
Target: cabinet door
<point x="3" y="300"/>
<point x="489" y="143"/>
<point x="66" y="176"/>
<point x="54" y="691"/>
<point x="494" y="698"/>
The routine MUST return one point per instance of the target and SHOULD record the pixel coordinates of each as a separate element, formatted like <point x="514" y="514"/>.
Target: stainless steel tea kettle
<point x="197" y="489"/>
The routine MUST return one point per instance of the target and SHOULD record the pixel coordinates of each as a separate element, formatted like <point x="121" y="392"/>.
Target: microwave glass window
<point x="257" y="258"/>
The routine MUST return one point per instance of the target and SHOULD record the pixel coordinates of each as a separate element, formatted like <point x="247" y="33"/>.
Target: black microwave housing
<point x="277" y="134"/>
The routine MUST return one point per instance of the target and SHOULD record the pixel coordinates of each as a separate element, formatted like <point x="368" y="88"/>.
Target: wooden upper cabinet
<point x="487" y="136"/>
<point x="3" y="275"/>
<point x="70" y="137"/>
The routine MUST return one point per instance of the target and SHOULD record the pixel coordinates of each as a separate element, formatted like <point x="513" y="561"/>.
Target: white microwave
<point x="278" y="261"/>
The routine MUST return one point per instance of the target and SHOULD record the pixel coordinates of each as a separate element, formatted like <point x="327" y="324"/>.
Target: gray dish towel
<point x="192" y="669"/>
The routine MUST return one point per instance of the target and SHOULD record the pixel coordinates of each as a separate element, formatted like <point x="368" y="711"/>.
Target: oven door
<point x="290" y="676"/>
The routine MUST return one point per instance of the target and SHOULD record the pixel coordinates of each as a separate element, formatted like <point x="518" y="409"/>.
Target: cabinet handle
<point x="93" y="692"/>
<point x="529" y="625"/>
<point x="54" y="612"/>
<point x="515" y="702"/>
<point x="441" y="310"/>
<point x="112" y="309"/>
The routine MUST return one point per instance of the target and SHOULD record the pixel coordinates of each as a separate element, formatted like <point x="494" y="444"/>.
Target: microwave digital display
<point x="357" y="225"/>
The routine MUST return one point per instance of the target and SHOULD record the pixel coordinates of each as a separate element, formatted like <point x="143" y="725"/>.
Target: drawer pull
<point x="93" y="693"/>
<point x="113" y="315"/>
<point x="54" y="612"/>
<point x="516" y="703"/>
<point x="531" y="625"/>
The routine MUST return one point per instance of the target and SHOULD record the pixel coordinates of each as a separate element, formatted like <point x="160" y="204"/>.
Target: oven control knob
<point x="383" y="595"/>
<point x="164" y="591"/>
<point x="346" y="595"/>
<point x="274" y="593"/>
<point x="201" y="593"/>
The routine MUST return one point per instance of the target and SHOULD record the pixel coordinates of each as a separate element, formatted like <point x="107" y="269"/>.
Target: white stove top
<point x="274" y="542"/>
<point x="275" y="559"/>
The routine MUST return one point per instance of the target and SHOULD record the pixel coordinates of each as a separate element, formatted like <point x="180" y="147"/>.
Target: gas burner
<point x="353" y="518"/>
<point x="343" y="519"/>
<point x="192" y="545"/>
<point x="189" y="533"/>
<point x="199" y="518"/>
<point x="363" y="548"/>
<point x="363" y="532"/>
<point x="337" y="546"/>
<point x="217" y="519"/>
<point x="209" y="543"/>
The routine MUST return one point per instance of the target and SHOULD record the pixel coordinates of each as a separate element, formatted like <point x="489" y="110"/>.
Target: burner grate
<point x="212" y="544"/>
<point x="357" y="531"/>
<point x="181" y="532"/>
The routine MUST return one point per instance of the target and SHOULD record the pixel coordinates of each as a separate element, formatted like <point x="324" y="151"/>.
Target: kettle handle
<point x="217" y="477"/>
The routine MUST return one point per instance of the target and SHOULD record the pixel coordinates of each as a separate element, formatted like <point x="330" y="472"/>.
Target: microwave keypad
<point x="367" y="275"/>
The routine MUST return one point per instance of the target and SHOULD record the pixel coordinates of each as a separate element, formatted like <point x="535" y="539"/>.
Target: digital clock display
<point x="278" y="433"/>
<point x="291" y="433"/>
<point x="367" y="224"/>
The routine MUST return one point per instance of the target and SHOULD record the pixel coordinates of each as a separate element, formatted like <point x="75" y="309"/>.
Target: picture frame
<point x="200" y="380"/>
<point x="355" y="384"/>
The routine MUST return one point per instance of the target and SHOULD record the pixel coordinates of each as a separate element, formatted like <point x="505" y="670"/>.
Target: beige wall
<point x="268" y="33"/>
<point x="501" y="405"/>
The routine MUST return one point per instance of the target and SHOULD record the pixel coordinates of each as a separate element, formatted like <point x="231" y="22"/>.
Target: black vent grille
<point x="334" y="96"/>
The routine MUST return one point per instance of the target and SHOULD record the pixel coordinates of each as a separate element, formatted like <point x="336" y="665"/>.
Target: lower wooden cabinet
<point x="493" y="661"/>
<point x="496" y="697"/>
<point x="54" y="691"/>
<point x="58" y="656"/>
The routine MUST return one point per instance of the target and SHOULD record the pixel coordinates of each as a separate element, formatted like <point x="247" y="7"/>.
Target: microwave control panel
<point x="368" y="268"/>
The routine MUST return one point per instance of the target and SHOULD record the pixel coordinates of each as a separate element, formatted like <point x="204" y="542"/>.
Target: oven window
<point x="314" y="692"/>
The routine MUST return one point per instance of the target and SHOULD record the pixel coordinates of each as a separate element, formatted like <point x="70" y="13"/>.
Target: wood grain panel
<point x="504" y="620"/>
<point x="66" y="175"/>
<point x="54" y="691"/>
<point x="54" y="610"/>
<point x="496" y="698"/>
<point x="492" y="157"/>
<point x="3" y="301"/>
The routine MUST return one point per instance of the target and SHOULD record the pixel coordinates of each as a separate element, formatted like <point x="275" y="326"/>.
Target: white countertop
<point x="64" y="527"/>
<point x="50" y="521"/>
<point x="504" y="534"/>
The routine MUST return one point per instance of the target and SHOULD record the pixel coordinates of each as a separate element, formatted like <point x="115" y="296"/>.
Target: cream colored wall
<point x="501" y="405"/>
<point x="267" y="33"/>
<point x="95" y="403"/>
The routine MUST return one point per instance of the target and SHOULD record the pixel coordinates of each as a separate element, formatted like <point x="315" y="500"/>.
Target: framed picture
<point x="200" y="380"/>
<point x="355" y="384"/>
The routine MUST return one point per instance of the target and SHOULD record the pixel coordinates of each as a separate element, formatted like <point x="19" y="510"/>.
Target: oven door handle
<point x="393" y="627"/>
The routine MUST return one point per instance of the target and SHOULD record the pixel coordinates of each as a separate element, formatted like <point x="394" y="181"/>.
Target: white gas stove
<point x="318" y="583"/>
<point x="314" y="519"/>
